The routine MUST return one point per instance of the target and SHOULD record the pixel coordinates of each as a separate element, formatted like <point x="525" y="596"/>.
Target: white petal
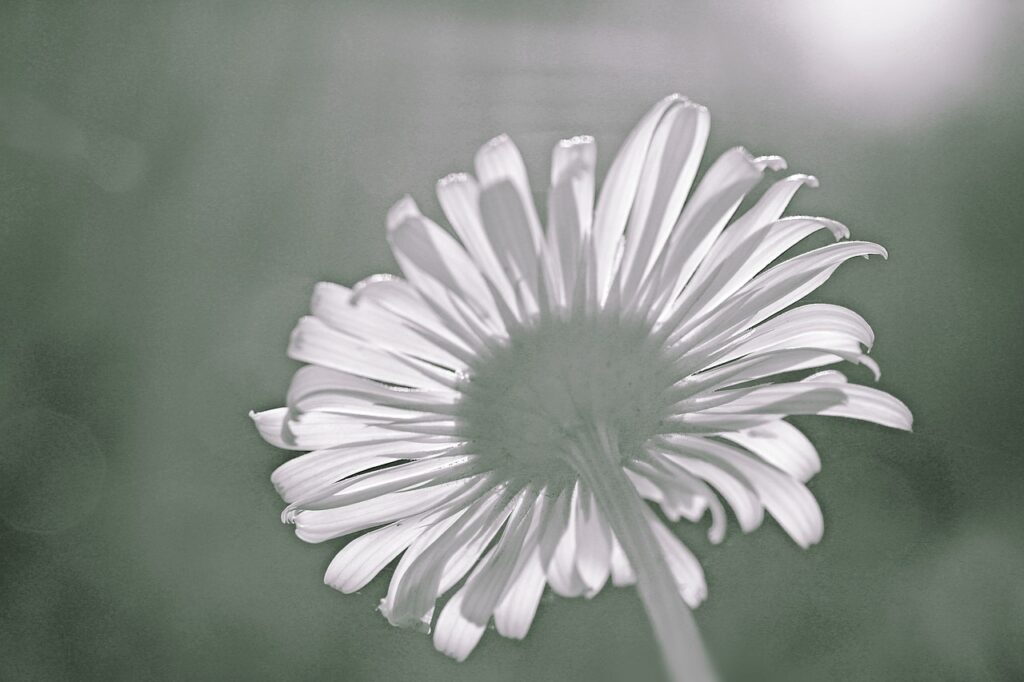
<point x="515" y="613"/>
<point x="459" y="196"/>
<point x="336" y="305"/>
<point x="767" y="399"/>
<point x="558" y="547"/>
<point x="734" y="262"/>
<point x="311" y="431"/>
<point x="366" y="556"/>
<point x="686" y="570"/>
<point x="622" y="572"/>
<point x="489" y="581"/>
<point x="680" y="493"/>
<point x="318" y="389"/>
<point x="816" y="325"/>
<point x="730" y="483"/>
<point x="508" y="212"/>
<point x="570" y="213"/>
<point x="619" y="191"/>
<point x="706" y="213"/>
<point x="668" y="173"/>
<point x="781" y="445"/>
<point x="593" y="543"/>
<point x="304" y="475"/>
<point x="314" y="342"/>
<point x="766" y="364"/>
<point x="868" y="404"/>
<point x="772" y="291"/>
<point x="787" y="499"/>
<point x="454" y="634"/>
<point x="449" y="558"/>
<point x="428" y="472"/>
<point x="416" y="550"/>
<point x="437" y="265"/>
<point x="319" y="525"/>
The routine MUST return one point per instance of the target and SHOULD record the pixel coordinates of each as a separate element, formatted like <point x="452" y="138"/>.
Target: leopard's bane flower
<point x="499" y="416"/>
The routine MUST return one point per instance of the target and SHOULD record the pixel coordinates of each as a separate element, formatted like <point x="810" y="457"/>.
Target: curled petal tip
<point x="576" y="141"/>
<point x="453" y="179"/>
<point x="400" y="211"/>
<point x="775" y="163"/>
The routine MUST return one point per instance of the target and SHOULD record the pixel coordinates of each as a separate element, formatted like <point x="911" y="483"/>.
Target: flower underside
<point x="499" y="419"/>
<point x="526" y="403"/>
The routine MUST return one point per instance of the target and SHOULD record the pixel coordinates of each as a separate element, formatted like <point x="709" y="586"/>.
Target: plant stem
<point x="599" y="465"/>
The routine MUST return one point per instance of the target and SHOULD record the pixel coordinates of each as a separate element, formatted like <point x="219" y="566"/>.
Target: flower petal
<point x="515" y="613"/>
<point x="782" y="445"/>
<point x="508" y="212"/>
<point x="713" y="203"/>
<point x="459" y="196"/>
<point x="317" y="525"/>
<point x="787" y="499"/>
<point x="437" y="265"/>
<point x="593" y="543"/>
<point x="336" y="305"/>
<point x="570" y="213"/>
<point x="455" y="635"/>
<point x="771" y="292"/>
<point x="668" y="173"/>
<point x="302" y="476"/>
<point x="314" y="342"/>
<point x="619" y="191"/>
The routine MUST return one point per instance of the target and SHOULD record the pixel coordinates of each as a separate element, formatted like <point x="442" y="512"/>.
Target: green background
<point x="174" y="177"/>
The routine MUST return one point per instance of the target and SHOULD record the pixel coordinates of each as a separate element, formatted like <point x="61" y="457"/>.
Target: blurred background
<point x="174" y="177"/>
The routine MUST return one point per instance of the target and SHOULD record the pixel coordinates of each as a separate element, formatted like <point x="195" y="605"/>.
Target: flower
<point x="499" y="416"/>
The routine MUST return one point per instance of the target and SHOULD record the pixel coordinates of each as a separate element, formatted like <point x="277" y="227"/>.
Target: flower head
<point x="497" y="418"/>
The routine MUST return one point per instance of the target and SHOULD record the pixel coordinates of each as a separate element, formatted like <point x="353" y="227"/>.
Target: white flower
<point x="498" y="415"/>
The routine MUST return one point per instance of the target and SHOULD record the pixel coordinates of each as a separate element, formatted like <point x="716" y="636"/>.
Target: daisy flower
<point x="498" y="419"/>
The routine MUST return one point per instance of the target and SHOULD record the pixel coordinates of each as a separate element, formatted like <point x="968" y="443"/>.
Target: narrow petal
<point x="437" y="264"/>
<point x="311" y="431"/>
<point x="314" y="342"/>
<point x="787" y="499"/>
<point x="459" y="196"/>
<point x="485" y="587"/>
<point x="619" y="191"/>
<point x="448" y="559"/>
<point x="378" y="325"/>
<point x="302" y="476"/>
<point x="593" y="543"/>
<point x="782" y="445"/>
<point x="668" y="173"/>
<point x="816" y="325"/>
<point x="570" y="212"/>
<point x="517" y="609"/>
<point x="713" y="203"/>
<point x="320" y="525"/>
<point x="686" y="570"/>
<point x="454" y="634"/>
<point x="731" y="265"/>
<point x="508" y="212"/>
<point x="622" y="572"/>
<point x="772" y="291"/>
<point x="728" y="481"/>
<point x="366" y="556"/>
<point x="558" y="547"/>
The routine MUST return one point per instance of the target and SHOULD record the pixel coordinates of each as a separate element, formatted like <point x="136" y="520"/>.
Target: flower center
<point x="527" y="402"/>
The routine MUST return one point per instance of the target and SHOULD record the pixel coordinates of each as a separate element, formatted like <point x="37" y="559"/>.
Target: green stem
<point x="600" y="469"/>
